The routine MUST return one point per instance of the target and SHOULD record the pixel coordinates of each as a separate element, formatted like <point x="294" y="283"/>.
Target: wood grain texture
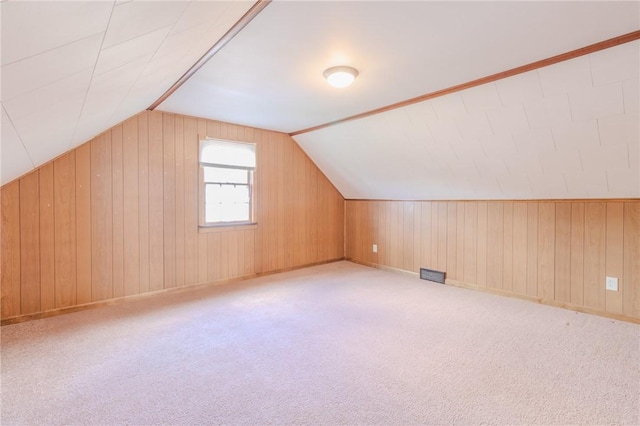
<point x="631" y="260"/>
<point x="563" y="253"/>
<point x="83" y="223"/>
<point x="551" y="252"/>
<point x="546" y="250"/>
<point x="47" y="237"/>
<point x="65" y="272"/>
<point x="595" y="224"/>
<point x="117" y="191"/>
<point x="577" y="254"/>
<point x="495" y="241"/>
<point x="10" y="278"/>
<point x="29" y="203"/>
<point x="131" y="229"/>
<point x="101" y="219"/>
<point x="520" y="248"/>
<point x="118" y="217"/>
<point x="614" y="256"/>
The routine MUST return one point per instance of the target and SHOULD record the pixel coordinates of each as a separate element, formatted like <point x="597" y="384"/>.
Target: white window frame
<point x="251" y="171"/>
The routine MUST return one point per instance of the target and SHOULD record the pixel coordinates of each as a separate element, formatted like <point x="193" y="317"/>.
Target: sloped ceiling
<point x="72" y="69"/>
<point x="569" y="130"/>
<point x="564" y="131"/>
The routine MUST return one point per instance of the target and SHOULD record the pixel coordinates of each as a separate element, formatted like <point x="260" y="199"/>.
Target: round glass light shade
<point x="341" y="76"/>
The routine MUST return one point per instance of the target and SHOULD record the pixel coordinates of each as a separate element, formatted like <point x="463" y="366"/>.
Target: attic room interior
<point x="198" y="227"/>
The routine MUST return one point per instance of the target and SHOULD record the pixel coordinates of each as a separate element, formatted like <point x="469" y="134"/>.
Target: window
<point x="227" y="177"/>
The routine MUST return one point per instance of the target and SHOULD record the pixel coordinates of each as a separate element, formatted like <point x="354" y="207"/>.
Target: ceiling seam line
<point x="153" y="55"/>
<point x="52" y="49"/>
<point x="33" y="163"/>
<point x="219" y="45"/>
<point x="586" y="50"/>
<point x="95" y="65"/>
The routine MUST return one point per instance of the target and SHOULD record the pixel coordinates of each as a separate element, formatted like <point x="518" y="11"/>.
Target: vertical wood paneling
<point x="595" y="221"/>
<point x="118" y="216"/>
<point x="101" y="219"/>
<point x="614" y="256"/>
<point x="169" y="191"/>
<point x="179" y="226"/>
<point x="481" y="256"/>
<point x="83" y="223"/>
<point x="460" y="215"/>
<point x="10" y="259"/>
<point x="117" y="191"/>
<point x="563" y="253"/>
<point x="47" y="238"/>
<point x="470" y="242"/>
<point x="65" y="273"/>
<point x="520" y="248"/>
<point x="442" y="235"/>
<point x="191" y="200"/>
<point x="130" y="175"/>
<point x="507" y="248"/>
<point x="577" y="254"/>
<point x="408" y="232"/>
<point x="532" y="249"/>
<point x="203" y="240"/>
<point x="29" y="256"/>
<point x="143" y="201"/>
<point x="417" y="232"/>
<point x="546" y="250"/>
<point x="156" y="202"/>
<point x="452" y="239"/>
<point x="539" y="249"/>
<point x="631" y="259"/>
<point x="495" y="241"/>
<point x="427" y="241"/>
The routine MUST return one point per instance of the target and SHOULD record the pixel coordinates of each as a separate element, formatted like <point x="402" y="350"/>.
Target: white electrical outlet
<point x="375" y="248"/>
<point x="611" y="283"/>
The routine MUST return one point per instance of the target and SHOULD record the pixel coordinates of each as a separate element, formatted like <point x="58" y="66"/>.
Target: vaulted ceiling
<point x="71" y="70"/>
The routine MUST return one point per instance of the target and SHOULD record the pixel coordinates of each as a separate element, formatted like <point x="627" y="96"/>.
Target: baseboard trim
<point x="119" y="300"/>
<point x="461" y="284"/>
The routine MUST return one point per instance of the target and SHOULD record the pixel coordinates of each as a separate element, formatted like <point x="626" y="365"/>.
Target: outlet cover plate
<point x="375" y="248"/>
<point x="611" y="283"/>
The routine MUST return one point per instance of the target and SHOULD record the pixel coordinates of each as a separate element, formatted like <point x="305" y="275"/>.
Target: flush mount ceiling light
<point x="341" y="76"/>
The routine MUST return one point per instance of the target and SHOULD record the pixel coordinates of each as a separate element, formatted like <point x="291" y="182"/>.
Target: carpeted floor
<point x="333" y="344"/>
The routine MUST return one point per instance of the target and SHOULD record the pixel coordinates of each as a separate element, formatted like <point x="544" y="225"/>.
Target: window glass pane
<point x="217" y="174"/>
<point x="228" y="153"/>
<point x="226" y="203"/>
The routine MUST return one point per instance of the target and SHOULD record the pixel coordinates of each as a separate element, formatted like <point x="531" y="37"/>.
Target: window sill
<point x="202" y="229"/>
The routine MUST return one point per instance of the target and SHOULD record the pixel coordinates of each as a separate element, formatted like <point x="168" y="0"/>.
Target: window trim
<point x="203" y="226"/>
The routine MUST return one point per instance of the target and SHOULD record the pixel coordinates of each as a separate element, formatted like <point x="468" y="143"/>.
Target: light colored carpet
<point x="333" y="344"/>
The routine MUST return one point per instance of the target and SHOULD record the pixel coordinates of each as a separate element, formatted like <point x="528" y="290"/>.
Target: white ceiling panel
<point x="597" y="102"/>
<point x="49" y="95"/>
<point x="130" y="51"/>
<point x="37" y="71"/>
<point x="619" y="129"/>
<point x="136" y="18"/>
<point x="532" y="149"/>
<point x="402" y="50"/>
<point x="33" y="27"/>
<point x="15" y="159"/>
<point x="71" y="70"/>
<point x="46" y="133"/>
<point x="615" y="64"/>
<point x="520" y="88"/>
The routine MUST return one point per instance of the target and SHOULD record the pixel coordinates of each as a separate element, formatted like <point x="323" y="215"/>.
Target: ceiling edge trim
<point x="606" y="44"/>
<point x="226" y="38"/>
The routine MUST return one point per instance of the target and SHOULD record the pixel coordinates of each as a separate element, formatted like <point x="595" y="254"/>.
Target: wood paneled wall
<point x="118" y="216"/>
<point x="551" y="251"/>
